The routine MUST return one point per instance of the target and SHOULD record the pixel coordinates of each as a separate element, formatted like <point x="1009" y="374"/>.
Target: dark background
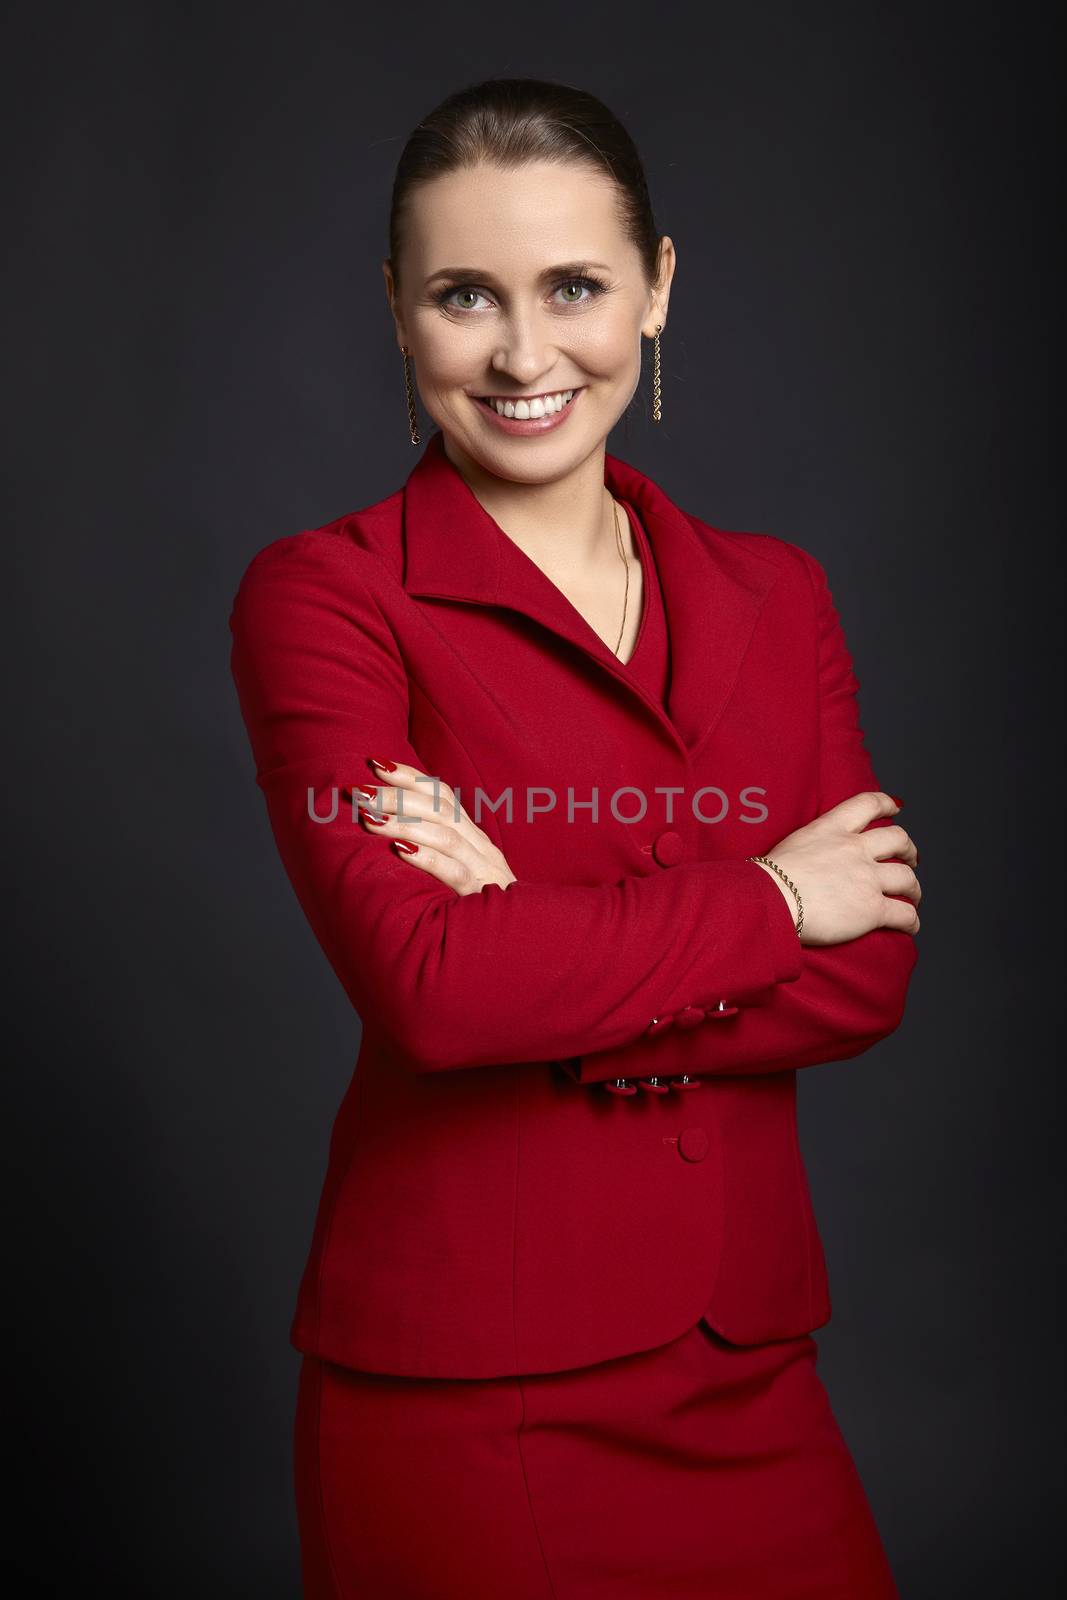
<point x="201" y="359"/>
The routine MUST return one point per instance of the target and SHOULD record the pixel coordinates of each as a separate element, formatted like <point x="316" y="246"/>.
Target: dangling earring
<point x="657" y="408"/>
<point x="413" y="420"/>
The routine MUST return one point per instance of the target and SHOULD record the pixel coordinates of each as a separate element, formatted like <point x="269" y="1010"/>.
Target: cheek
<point x="607" y="350"/>
<point x="450" y="356"/>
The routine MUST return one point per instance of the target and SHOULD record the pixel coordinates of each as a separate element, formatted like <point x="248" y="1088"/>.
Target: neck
<point x="565" y="524"/>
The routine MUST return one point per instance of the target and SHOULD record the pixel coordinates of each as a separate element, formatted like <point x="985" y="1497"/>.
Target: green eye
<point x="449" y="297"/>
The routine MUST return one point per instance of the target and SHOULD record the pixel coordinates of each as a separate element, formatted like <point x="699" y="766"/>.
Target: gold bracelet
<point x="796" y="892"/>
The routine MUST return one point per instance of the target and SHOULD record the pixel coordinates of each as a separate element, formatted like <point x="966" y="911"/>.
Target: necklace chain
<point x="626" y="565"/>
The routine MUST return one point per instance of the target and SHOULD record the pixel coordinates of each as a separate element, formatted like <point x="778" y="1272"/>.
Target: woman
<point x="572" y="789"/>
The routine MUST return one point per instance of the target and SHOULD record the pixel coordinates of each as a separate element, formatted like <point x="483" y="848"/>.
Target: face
<point x="549" y="297"/>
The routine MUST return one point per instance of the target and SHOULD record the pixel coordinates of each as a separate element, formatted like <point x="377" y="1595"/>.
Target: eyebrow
<point x="575" y="268"/>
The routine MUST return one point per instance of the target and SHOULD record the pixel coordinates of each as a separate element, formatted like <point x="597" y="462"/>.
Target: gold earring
<point x="657" y="408"/>
<point x="413" y="420"/>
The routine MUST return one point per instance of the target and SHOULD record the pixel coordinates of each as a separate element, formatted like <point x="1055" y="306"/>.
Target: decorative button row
<point x="688" y="1017"/>
<point x="653" y="1085"/>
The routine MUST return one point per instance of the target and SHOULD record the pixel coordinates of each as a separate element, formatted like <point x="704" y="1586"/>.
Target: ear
<point x="660" y="293"/>
<point x="394" y="302"/>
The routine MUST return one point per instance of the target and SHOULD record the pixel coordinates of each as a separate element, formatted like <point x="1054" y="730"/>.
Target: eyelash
<point x="587" y="281"/>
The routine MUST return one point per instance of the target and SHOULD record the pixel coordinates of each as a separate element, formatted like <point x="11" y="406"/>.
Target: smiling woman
<point x="556" y="1319"/>
<point x="534" y="319"/>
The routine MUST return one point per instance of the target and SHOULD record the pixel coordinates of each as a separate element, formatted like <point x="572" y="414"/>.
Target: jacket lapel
<point x="713" y="586"/>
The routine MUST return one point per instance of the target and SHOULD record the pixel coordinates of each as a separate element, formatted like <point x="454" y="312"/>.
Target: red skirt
<point x="696" y="1469"/>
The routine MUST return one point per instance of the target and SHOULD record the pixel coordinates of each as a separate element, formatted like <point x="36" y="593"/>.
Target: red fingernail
<point x="357" y="790"/>
<point x="386" y="766"/>
<point x="369" y="816"/>
<point x="897" y="801"/>
<point x="408" y="849"/>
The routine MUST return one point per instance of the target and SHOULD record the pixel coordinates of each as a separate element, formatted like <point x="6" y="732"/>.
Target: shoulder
<point x="807" y="585"/>
<point x="790" y="562"/>
<point x="323" y="591"/>
<point x="354" y="553"/>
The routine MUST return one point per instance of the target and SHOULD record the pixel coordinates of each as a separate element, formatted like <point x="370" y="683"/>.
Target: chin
<point x="513" y="459"/>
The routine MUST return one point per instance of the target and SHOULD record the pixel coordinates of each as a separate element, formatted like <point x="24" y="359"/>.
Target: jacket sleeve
<point x="848" y="996"/>
<point x="534" y="972"/>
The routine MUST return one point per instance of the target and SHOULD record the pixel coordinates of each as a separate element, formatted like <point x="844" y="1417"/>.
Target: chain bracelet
<point x="789" y="882"/>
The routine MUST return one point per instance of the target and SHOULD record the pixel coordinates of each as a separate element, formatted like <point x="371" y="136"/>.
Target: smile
<point x="527" y="415"/>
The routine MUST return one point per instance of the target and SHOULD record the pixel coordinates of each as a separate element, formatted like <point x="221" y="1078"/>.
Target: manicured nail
<point x="897" y="801"/>
<point x="369" y="816"/>
<point x="408" y="849"/>
<point x="357" y="791"/>
<point x="386" y="766"/>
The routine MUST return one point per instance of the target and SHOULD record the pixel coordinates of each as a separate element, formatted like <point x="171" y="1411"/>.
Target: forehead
<point x="530" y="214"/>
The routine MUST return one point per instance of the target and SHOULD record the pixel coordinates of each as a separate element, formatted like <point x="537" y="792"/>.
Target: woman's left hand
<point x="429" y="829"/>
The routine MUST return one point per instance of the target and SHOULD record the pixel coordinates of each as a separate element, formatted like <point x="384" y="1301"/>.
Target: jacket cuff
<point x="783" y="962"/>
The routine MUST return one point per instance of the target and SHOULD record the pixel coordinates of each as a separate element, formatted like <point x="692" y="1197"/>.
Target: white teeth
<point x="544" y="405"/>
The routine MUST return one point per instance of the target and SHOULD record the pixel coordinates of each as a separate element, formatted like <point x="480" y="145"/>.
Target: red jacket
<point x="488" y="1207"/>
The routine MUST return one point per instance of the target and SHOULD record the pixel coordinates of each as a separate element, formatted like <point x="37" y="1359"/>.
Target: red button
<point x="668" y="848"/>
<point x="689" y="1017"/>
<point x="693" y="1144"/>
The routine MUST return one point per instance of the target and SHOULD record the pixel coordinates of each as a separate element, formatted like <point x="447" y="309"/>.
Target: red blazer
<point x="488" y="1207"/>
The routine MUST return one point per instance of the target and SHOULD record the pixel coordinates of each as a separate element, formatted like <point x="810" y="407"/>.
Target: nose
<point x="523" y="354"/>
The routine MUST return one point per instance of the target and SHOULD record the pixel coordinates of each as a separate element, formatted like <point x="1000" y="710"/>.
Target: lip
<point x="530" y="425"/>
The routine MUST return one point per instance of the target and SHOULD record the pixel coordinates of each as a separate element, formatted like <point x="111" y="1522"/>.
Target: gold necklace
<point x="626" y="564"/>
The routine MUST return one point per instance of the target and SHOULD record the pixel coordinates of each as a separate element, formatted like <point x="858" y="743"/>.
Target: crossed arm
<point x="518" y="974"/>
<point x="846" y="996"/>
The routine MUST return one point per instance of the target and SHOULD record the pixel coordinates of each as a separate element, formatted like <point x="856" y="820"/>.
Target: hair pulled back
<point x="509" y="122"/>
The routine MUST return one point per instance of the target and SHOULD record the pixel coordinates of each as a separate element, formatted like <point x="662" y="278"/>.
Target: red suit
<point x="490" y="1210"/>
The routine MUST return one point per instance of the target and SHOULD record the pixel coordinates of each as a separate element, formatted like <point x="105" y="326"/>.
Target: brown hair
<point x="511" y="121"/>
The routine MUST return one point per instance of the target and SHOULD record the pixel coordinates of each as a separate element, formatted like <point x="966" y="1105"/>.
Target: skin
<point x="509" y="330"/>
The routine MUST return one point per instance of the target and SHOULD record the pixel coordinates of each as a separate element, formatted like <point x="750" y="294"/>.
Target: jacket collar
<point x="714" y="587"/>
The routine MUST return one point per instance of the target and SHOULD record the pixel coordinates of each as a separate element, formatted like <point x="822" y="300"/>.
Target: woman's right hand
<point x="844" y="882"/>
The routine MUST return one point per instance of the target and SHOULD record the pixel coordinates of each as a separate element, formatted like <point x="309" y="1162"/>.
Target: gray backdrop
<point x="858" y="359"/>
